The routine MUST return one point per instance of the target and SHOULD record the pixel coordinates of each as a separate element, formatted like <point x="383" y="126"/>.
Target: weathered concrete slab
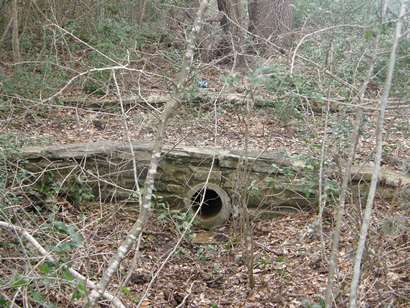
<point x="106" y="168"/>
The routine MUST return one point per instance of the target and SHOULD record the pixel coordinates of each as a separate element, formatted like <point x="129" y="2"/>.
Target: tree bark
<point x="15" y="32"/>
<point x="270" y="20"/>
<point x="231" y="14"/>
<point x="232" y="28"/>
<point x="142" y="8"/>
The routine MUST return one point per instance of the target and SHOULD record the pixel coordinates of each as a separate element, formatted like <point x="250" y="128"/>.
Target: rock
<point x="204" y="237"/>
<point x="208" y="237"/>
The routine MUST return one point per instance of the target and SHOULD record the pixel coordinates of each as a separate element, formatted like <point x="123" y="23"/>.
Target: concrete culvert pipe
<point x="215" y="209"/>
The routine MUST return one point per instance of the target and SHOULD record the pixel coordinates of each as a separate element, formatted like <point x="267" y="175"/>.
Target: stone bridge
<point x="105" y="170"/>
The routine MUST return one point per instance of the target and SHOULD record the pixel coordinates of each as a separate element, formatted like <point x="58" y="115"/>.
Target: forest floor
<point x="298" y="130"/>
<point x="289" y="269"/>
<point x="194" y="125"/>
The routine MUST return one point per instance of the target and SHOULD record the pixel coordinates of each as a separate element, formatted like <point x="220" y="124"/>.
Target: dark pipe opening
<point x="212" y="203"/>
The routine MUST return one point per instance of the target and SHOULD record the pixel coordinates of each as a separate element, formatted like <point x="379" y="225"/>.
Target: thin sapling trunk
<point x="378" y="156"/>
<point x="167" y="113"/>
<point x="346" y="179"/>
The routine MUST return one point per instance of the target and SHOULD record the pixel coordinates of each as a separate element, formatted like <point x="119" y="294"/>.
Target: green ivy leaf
<point x="46" y="267"/>
<point x="68" y="276"/>
<point x="76" y="238"/>
<point x="63" y="247"/>
<point x="368" y="35"/>
<point x="126" y="291"/>
<point x="80" y="291"/>
<point x="3" y="302"/>
<point x="38" y="298"/>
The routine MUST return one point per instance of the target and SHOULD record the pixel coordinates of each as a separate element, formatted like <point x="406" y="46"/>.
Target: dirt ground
<point x="195" y="125"/>
<point x="289" y="269"/>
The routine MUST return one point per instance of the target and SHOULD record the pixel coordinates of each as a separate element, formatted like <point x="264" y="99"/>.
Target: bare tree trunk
<point x="141" y="15"/>
<point x="135" y="11"/>
<point x="245" y="218"/>
<point x="240" y="203"/>
<point x="231" y="13"/>
<point x="232" y="28"/>
<point x="270" y="20"/>
<point x="99" y="11"/>
<point x="6" y="30"/>
<point x="15" y="32"/>
<point x="346" y="178"/>
<point x="378" y="156"/>
<point x="145" y="209"/>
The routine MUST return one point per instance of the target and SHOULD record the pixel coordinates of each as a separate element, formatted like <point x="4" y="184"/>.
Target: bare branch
<point x="115" y="301"/>
<point x="169" y="109"/>
<point x="378" y="156"/>
<point x="313" y="33"/>
<point x="340" y="209"/>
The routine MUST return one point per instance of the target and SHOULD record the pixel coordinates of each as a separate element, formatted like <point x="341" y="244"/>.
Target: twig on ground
<point x="115" y="301"/>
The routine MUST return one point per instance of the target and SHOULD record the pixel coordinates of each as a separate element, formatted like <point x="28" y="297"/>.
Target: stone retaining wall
<point x="107" y="169"/>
